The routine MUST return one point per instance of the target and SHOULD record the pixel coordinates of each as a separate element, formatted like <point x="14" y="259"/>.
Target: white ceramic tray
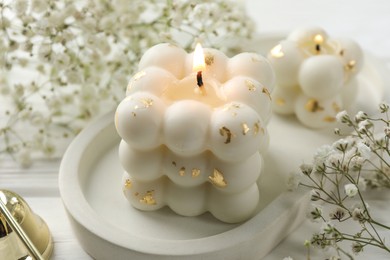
<point x="109" y="228"/>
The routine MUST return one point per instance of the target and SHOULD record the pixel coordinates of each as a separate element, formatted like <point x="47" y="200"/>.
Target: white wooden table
<point x="368" y="22"/>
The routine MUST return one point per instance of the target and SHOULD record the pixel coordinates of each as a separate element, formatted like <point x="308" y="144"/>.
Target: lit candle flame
<point x="198" y="61"/>
<point x="277" y="51"/>
<point x="318" y="39"/>
<point x="198" y="64"/>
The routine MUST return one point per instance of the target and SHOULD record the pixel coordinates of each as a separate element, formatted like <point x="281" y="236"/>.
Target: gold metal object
<point x="17" y="221"/>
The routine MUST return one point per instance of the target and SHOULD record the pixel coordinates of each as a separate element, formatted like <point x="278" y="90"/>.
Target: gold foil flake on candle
<point x="245" y="128"/>
<point x="313" y="106"/>
<point x="148" y="198"/>
<point x="280" y="102"/>
<point x="128" y="184"/>
<point x="136" y="194"/>
<point x="174" y="163"/>
<point x="225" y="132"/>
<point x="277" y="52"/>
<point x="217" y="179"/>
<point x="182" y="171"/>
<point x="250" y="85"/>
<point x="350" y="65"/>
<point x="231" y="106"/>
<point x="195" y="172"/>
<point x="342" y="52"/>
<point x="147" y="102"/>
<point x="336" y="107"/>
<point x="266" y="91"/>
<point x="329" y="119"/>
<point x="134" y="114"/>
<point x="139" y="75"/>
<point x="209" y="59"/>
<point x="257" y="128"/>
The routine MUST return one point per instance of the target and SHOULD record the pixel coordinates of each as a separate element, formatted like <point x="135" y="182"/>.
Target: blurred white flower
<point x="350" y="189"/>
<point x="342" y="116"/>
<point x="20" y="6"/>
<point x="23" y="157"/>
<point x="293" y="180"/>
<point x="363" y="150"/>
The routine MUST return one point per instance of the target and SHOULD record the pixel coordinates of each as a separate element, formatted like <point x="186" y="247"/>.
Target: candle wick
<point x="318" y="47"/>
<point x="199" y="79"/>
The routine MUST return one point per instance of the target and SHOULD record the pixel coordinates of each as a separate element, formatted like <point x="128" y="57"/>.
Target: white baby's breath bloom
<point x="363" y="126"/>
<point x="44" y="51"/>
<point x="363" y="150"/>
<point x="341" y="144"/>
<point x="342" y="116"/>
<point x="37" y="118"/>
<point x="360" y="116"/>
<point x="4" y="88"/>
<point x="23" y="157"/>
<point x="335" y="159"/>
<point x="38" y="5"/>
<point x="322" y="154"/>
<point x="315" y="195"/>
<point x="350" y="189"/>
<point x="73" y="76"/>
<point x="48" y="149"/>
<point x="20" y="6"/>
<point x="386" y="130"/>
<point x="293" y="180"/>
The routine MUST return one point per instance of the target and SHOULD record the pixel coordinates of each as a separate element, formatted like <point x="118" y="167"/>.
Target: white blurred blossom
<point x="350" y="189"/>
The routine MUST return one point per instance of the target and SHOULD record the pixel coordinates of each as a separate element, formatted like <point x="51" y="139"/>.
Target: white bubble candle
<point x="315" y="76"/>
<point x="193" y="129"/>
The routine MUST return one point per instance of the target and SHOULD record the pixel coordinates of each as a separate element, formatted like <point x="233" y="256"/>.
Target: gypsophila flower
<point x="383" y="107"/>
<point x="342" y="117"/>
<point x="24" y="157"/>
<point x="306" y="169"/>
<point x="293" y="181"/>
<point x="357" y="247"/>
<point x="364" y="125"/>
<point x="20" y="6"/>
<point x="342" y="145"/>
<point x="350" y="189"/>
<point x="315" y="212"/>
<point x="315" y="195"/>
<point x="322" y="154"/>
<point x="358" y="215"/>
<point x="360" y="116"/>
<point x="350" y="166"/>
<point x="337" y="214"/>
<point x="363" y="150"/>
